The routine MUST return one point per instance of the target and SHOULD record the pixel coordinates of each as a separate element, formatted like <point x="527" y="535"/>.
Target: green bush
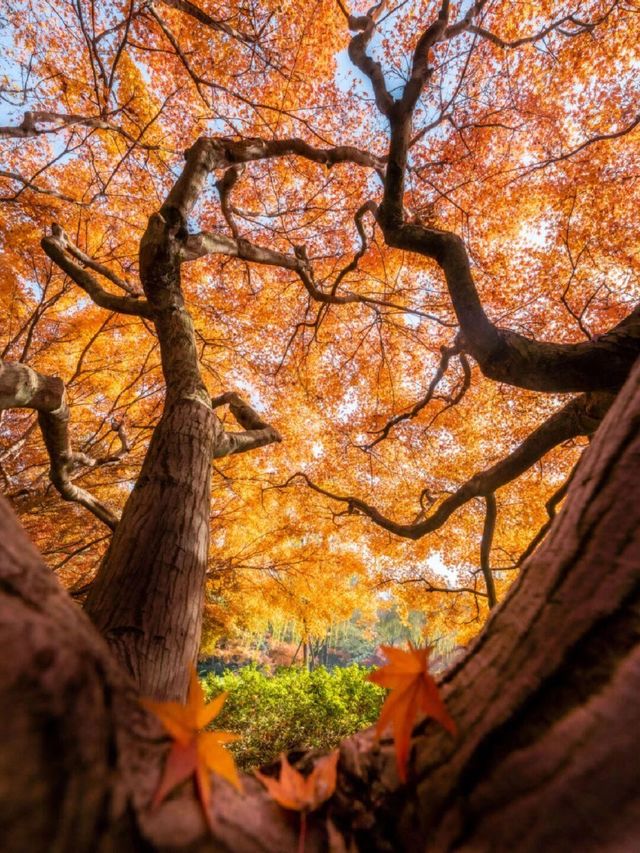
<point x="293" y="709"/>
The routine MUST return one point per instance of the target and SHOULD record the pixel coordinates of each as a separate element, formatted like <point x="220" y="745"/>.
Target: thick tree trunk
<point x="545" y="702"/>
<point x="148" y="595"/>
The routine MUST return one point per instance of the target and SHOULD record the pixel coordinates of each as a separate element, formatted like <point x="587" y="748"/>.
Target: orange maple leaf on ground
<point x="299" y="793"/>
<point x="194" y="752"/>
<point x="413" y="693"/>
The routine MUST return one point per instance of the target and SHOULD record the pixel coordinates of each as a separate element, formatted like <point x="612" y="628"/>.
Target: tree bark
<point x="545" y="702"/>
<point x="148" y="595"/>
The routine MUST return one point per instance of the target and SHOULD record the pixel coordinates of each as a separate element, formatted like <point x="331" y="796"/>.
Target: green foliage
<point x="293" y="709"/>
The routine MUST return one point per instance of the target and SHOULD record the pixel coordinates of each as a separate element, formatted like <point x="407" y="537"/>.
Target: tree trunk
<point x="148" y="595"/>
<point x="545" y="702"/>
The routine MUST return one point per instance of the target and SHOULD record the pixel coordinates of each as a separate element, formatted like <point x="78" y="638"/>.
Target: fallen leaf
<point x="413" y="693"/>
<point x="299" y="793"/>
<point x="194" y="752"/>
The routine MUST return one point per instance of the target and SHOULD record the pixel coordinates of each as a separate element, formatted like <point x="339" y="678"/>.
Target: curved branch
<point x="506" y="356"/>
<point x="210" y="153"/>
<point x="367" y="207"/>
<point x="224" y="187"/>
<point x="503" y="355"/>
<point x="420" y="69"/>
<point x="199" y="245"/>
<point x="257" y="432"/>
<point x="32" y="121"/>
<point x="27" y="184"/>
<point x="364" y="25"/>
<point x="485" y="547"/>
<point x="580" y="416"/>
<point x="445" y="357"/>
<point x="23" y="387"/>
<point x="592" y="140"/>
<point x="64" y="254"/>
<point x="580" y="28"/>
<point x="552" y="507"/>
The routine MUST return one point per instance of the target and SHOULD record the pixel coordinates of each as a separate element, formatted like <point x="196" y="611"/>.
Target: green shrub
<point x="293" y="709"/>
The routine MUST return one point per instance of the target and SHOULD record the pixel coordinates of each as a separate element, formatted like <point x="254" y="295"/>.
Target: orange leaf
<point x="299" y="793"/>
<point x="413" y="693"/>
<point x="194" y="752"/>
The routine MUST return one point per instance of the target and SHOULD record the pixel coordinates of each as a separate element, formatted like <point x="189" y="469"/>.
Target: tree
<point x="465" y="124"/>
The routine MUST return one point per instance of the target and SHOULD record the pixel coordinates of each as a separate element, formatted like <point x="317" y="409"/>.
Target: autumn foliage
<point x="524" y="142"/>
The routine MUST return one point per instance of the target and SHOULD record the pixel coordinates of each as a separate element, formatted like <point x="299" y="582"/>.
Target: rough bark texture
<point x="545" y="702"/>
<point x="148" y="596"/>
<point x="60" y="696"/>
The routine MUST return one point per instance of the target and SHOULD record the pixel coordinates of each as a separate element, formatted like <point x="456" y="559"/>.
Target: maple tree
<point x="392" y="276"/>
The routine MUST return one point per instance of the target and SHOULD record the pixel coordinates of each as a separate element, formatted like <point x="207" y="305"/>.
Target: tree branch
<point x="551" y="506"/>
<point x="365" y="26"/>
<point x="54" y="122"/>
<point x="503" y="355"/>
<point x="257" y="432"/>
<point x="580" y="27"/>
<point x="580" y="416"/>
<point x="23" y="387"/>
<point x="199" y="245"/>
<point x="27" y="183"/>
<point x="204" y="18"/>
<point x="485" y="547"/>
<point x="62" y="252"/>
<point x="210" y="153"/>
<point x="445" y="356"/>
<point x="420" y="69"/>
<point x="506" y="356"/>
